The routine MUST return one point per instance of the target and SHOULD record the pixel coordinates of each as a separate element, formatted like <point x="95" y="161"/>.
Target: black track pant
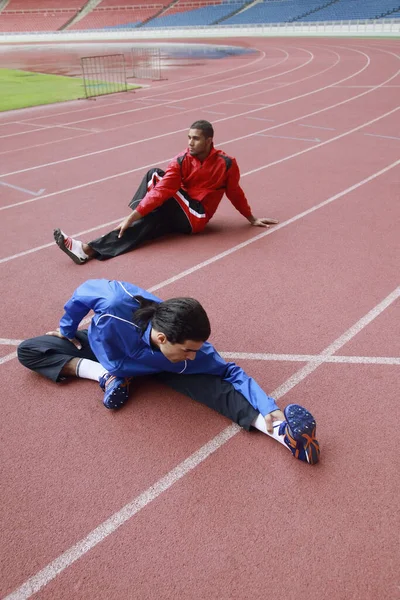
<point x="47" y="355"/>
<point x="167" y="218"/>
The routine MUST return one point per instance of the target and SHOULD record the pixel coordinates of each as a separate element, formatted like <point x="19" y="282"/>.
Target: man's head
<point x="200" y="139"/>
<point x="179" y="326"/>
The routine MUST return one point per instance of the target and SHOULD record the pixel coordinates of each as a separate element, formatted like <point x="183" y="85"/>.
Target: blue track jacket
<point x="122" y="348"/>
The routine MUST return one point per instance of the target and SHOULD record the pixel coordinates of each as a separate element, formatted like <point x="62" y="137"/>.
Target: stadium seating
<point x="120" y="3"/>
<point x="47" y="15"/>
<point x="37" y="15"/>
<point x="354" y="9"/>
<point x="279" y="11"/>
<point x="23" y="21"/>
<point x="119" y="18"/>
<point x="44" y="4"/>
<point x="273" y="11"/>
<point x="186" y="5"/>
<point x="206" y="15"/>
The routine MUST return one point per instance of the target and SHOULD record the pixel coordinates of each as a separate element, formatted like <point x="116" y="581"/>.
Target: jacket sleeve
<point x="167" y="187"/>
<point x="235" y="193"/>
<point x="212" y="363"/>
<point x="88" y="296"/>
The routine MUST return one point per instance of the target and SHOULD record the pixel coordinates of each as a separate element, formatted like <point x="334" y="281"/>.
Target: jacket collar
<point x="146" y="335"/>
<point x="211" y="153"/>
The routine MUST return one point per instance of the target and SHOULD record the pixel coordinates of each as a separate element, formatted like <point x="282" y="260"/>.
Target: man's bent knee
<point x="27" y="353"/>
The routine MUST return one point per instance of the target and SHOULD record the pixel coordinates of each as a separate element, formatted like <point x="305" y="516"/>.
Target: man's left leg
<point x="170" y="217"/>
<point x="297" y="432"/>
<point x="57" y="359"/>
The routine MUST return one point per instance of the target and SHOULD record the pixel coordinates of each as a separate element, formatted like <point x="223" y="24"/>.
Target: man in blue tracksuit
<point x="134" y="333"/>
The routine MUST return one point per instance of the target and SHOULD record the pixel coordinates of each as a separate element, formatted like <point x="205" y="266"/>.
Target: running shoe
<point x="71" y="247"/>
<point x="116" y="390"/>
<point x="299" y="431"/>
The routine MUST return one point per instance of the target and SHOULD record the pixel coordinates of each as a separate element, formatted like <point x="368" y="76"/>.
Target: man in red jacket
<point x="182" y="199"/>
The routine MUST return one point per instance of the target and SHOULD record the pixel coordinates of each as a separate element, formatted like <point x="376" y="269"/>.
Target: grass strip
<point x="22" y="89"/>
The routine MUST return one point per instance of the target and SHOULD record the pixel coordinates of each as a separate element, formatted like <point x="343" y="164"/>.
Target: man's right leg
<point x="297" y="432"/>
<point x="110" y="245"/>
<point x="57" y="359"/>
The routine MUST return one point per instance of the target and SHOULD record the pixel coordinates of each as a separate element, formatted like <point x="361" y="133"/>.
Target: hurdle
<point x="104" y="74"/>
<point x="146" y="63"/>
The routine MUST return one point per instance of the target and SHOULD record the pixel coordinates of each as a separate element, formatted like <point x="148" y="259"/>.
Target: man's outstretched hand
<point x="264" y="222"/>
<point x="275" y="415"/>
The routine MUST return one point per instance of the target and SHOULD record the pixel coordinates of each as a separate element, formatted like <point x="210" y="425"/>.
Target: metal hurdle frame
<point x="146" y="63"/>
<point x="104" y="74"/>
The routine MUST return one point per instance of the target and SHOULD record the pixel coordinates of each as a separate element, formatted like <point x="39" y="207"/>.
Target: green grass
<point x="21" y="89"/>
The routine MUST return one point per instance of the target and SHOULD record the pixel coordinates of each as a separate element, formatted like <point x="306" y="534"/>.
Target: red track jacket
<point x="205" y="182"/>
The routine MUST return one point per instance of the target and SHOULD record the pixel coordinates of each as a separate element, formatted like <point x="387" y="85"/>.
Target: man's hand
<point x="74" y="341"/>
<point x="263" y="222"/>
<point x="275" y="415"/>
<point x="127" y="222"/>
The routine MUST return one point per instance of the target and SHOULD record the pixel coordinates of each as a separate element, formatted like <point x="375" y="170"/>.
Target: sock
<point x="89" y="369"/>
<point x="74" y="246"/>
<point x="260" y="424"/>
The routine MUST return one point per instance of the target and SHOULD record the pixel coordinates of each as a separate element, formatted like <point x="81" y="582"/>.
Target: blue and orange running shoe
<point x="116" y="390"/>
<point x="299" y="430"/>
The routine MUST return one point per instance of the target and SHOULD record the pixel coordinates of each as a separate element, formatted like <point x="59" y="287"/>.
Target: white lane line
<point x="7" y="358"/>
<point x="339" y="343"/>
<point x="261" y="104"/>
<point x="387" y="137"/>
<point x="155" y="96"/>
<point x="9" y="206"/>
<point x="43" y="577"/>
<point x="150" y="101"/>
<point x="6" y="342"/>
<point x="20" y="189"/>
<point x="213" y="112"/>
<point x="223" y="143"/>
<point x="333" y="139"/>
<point x="353" y="360"/>
<point x="78" y="128"/>
<point x="365" y="86"/>
<point x="235" y="248"/>
<point x="80" y="233"/>
<point x="286" y="137"/>
<point x="164" y="103"/>
<point x="96" y="152"/>
<point x="317" y="127"/>
<point x="65" y="560"/>
<point x="276" y="228"/>
<point x="261" y="118"/>
<point x="44" y="127"/>
<point x="189" y="110"/>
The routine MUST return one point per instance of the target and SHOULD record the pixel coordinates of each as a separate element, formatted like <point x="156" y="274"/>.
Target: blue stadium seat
<point x="197" y="17"/>
<point x="279" y="11"/>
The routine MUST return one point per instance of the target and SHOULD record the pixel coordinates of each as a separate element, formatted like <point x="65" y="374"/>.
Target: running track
<point x="166" y="499"/>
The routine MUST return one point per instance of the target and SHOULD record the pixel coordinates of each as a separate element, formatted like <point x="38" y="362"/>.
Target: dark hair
<point x="180" y="319"/>
<point x="205" y="127"/>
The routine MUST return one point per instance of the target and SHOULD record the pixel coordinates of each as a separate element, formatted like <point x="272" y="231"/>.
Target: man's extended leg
<point x="167" y="218"/>
<point x="57" y="359"/>
<point x="297" y="432"/>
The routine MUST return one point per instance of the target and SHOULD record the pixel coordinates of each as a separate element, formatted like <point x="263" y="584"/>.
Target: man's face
<point x="178" y="352"/>
<point x="199" y="145"/>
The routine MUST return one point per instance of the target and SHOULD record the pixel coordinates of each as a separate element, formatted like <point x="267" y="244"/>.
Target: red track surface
<point x="248" y="521"/>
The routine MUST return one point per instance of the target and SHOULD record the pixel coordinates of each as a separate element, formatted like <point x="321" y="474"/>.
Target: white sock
<point x="74" y="246"/>
<point x="89" y="369"/>
<point x="260" y="424"/>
